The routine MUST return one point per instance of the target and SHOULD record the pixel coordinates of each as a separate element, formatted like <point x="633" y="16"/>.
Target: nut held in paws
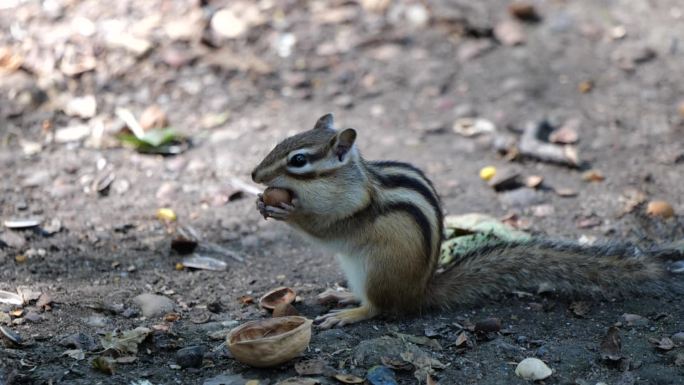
<point x="274" y="196"/>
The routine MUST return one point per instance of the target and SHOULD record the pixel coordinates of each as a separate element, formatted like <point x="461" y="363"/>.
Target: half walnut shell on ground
<point x="277" y="297"/>
<point x="269" y="342"/>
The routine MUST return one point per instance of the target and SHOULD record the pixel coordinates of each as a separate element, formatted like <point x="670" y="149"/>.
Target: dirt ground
<point x="401" y="73"/>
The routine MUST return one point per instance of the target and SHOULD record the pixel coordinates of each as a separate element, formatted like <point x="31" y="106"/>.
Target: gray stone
<point x="190" y="357"/>
<point x="370" y="352"/>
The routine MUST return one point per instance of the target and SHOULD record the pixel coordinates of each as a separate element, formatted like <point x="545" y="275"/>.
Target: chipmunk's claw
<point x="341" y="297"/>
<point x="341" y="317"/>
<point x="281" y="212"/>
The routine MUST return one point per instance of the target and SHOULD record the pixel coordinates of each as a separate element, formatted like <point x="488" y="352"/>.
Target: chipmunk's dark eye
<point x="298" y="160"/>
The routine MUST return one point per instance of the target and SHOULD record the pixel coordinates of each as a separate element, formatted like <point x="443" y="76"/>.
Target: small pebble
<point x="153" y="305"/>
<point x="660" y="209"/>
<point x="533" y="369"/>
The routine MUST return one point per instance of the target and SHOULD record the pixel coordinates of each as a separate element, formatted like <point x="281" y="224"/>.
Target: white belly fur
<point x="355" y="270"/>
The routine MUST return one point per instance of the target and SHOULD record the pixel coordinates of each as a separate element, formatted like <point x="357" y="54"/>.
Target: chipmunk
<point x="384" y="221"/>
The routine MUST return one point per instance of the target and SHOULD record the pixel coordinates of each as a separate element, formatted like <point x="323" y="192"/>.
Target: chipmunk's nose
<point x="255" y="177"/>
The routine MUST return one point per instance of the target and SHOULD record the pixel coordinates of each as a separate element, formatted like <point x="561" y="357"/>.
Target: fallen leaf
<point x="77" y="354"/>
<point x="462" y="339"/>
<point x="10" y="298"/>
<point x="430" y="381"/>
<point x="164" y="141"/>
<point x="125" y="342"/>
<point x="534" y="181"/>
<point x="396" y="364"/>
<point x="593" y="176"/>
<point x="631" y="199"/>
<point x="125" y="359"/>
<point x="348" y="379"/>
<point x="566" y="134"/>
<point x="204" y="263"/>
<point x="679" y="360"/>
<point x="44" y="301"/>
<point x="28" y="294"/>
<point x="103" y="364"/>
<point x="611" y="345"/>
<point x="634" y="320"/>
<point x="664" y="343"/>
<point x="580" y="308"/>
<point x="10" y="61"/>
<point x="246" y="299"/>
<point x="588" y="222"/>
<point x="418" y="340"/>
<point x="299" y="381"/>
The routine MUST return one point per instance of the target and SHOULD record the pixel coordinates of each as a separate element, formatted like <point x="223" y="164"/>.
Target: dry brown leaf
<point x="566" y="134"/>
<point x="348" y="378"/>
<point x="664" y="343"/>
<point x="9" y="61"/>
<point x="593" y="176"/>
<point x="396" y="364"/>
<point x="462" y="339"/>
<point x="534" y="181"/>
<point x="580" y="308"/>
<point x="611" y="345"/>
<point x="631" y="199"/>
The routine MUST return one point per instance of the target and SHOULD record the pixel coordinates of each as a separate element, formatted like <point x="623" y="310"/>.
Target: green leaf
<point x="151" y="139"/>
<point x="468" y="232"/>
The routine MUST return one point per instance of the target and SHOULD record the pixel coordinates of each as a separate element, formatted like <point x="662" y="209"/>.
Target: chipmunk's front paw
<point x="341" y="297"/>
<point x="344" y="317"/>
<point x="281" y="212"/>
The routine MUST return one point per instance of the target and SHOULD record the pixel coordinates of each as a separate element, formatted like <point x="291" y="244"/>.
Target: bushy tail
<point x="567" y="267"/>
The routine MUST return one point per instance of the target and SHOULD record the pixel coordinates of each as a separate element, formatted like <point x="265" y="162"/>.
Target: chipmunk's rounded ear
<point x="325" y="122"/>
<point x="343" y="143"/>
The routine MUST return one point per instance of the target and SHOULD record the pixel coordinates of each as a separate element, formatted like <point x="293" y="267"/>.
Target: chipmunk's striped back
<point x="403" y="187"/>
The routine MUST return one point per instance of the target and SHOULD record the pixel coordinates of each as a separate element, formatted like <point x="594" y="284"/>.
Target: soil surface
<point x="238" y="76"/>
